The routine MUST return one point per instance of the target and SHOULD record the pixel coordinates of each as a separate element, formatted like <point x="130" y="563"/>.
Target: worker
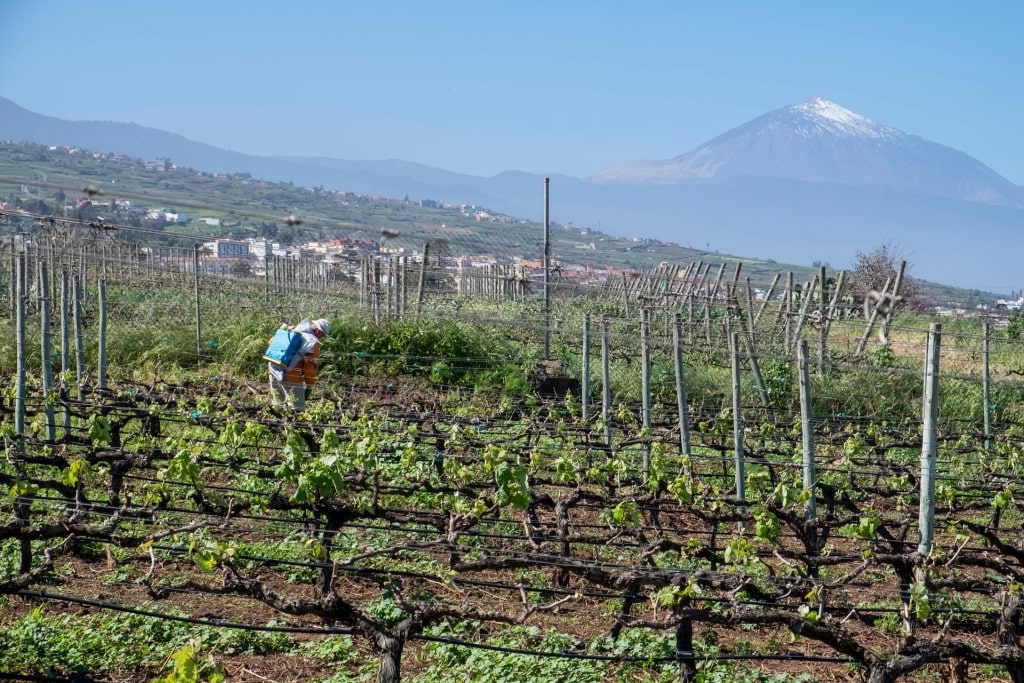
<point x="290" y="386"/>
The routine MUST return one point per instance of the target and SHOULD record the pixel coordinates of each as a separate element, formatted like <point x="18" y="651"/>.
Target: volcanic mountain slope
<point x="820" y="141"/>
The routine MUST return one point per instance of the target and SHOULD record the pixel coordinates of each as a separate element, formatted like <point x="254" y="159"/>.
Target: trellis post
<point x="737" y="425"/>
<point x="423" y="278"/>
<point x="199" y="318"/>
<point x="101" y="370"/>
<point x="65" y="346"/>
<point x="810" y="476"/>
<point x="682" y="405"/>
<point x="606" y="389"/>
<point x="645" y="386"/>
<point x="928" y="442"/>
<point x="547" y="269"/>
<point x="21" y="369"/>
<point x="76" y="295"/>
<point x="585" y="371"/>
<point x="47" y="356"/>
<point x="986" y="388"/>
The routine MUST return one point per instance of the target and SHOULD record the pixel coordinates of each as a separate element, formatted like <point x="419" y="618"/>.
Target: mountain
<point x="805" y="183"/>
<point x="820" y="141"/>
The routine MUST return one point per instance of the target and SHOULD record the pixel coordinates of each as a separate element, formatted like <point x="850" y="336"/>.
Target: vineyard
<point x="657" y="480"/>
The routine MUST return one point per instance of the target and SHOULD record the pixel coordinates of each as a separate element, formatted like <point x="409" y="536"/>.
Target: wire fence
<point x="547" y="506"/>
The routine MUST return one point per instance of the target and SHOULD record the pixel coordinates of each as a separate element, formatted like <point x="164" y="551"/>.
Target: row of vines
<point x="424" y="516"/>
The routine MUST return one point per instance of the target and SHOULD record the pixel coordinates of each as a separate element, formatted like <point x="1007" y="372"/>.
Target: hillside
<point x="808" y="183"/>
<point x="253" y="207"/>
<point x="45" y="180"/>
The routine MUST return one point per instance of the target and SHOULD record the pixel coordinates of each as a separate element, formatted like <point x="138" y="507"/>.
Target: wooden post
<point x="691" y="297"/>
<point x="22" y="360"/>
<point x="22" y="504"/>
<point x="926" y="520"/>
<point x="46" y="351"/>
<point x="375" y="266"/>
<point x="737" y="426"/>
<point x="645" y="386"/>
<point x="764" y="303"/>
<point x="12" y="291"/>
<point x="65" y="345"/>
<point x="423" y="278"/>
<point x="822" y="332"/>
<point x="79" y="341"/>
<point x="750" y="310"/>
<point x="199" y="318"/>
<point x="585" y="372"/>
<point x="547" y="270"/>
<point x="403" y="277"/>
<point x="986" y="394"/>
<point x="836" y="295"/>
<point x="682" y="404"/>
<point x="806" y="416"/>
<point x="786" y="309"/>
<point x="101" y="370"/>
<point x="712" y="293"/>
<point x="806" y="296"/>
<point x="755" y="367"/>
<point x="606" y="379"/>
<point x="684" y="649"/>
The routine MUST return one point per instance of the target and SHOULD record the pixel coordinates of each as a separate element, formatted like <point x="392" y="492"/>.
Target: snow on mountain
<point x="818" y="140"/>
<point x="825" y="116"/>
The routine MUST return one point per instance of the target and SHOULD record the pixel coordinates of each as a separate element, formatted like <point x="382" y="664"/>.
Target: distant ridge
<point x="809" y="182"/>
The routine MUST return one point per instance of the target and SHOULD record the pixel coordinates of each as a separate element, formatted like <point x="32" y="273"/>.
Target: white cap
<point x="323" y="325"/>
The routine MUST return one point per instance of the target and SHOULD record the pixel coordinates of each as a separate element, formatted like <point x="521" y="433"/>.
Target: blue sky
<point x="546" y="87"/>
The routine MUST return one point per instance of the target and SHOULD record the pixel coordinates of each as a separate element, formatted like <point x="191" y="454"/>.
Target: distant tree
<point x="873" y="269"/>
<point x="1014" y="325"/>
<point x="267" y="230"/>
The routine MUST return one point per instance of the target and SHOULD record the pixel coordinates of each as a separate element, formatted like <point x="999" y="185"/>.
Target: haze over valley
<point x="810" y="182"/>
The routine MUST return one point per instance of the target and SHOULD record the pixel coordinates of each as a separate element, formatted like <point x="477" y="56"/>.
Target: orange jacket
<point x="305" y="371"/>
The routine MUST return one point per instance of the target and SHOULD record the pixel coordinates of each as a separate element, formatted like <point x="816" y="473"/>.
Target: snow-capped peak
<point x="841" y="120"/>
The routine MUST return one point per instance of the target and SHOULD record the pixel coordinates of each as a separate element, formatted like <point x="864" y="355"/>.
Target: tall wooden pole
<point x="199" y="319"/>
<point x="926" y="518"/>
<point x="682" y="403"/>
<point x="47" y="354"/>
<point x="585" y="371"/>
<point x="810" y="476"/>
<point x="79" y="338"/>
<point x="737" y="424"/>
<point x="22" y="360"/>
<point x="986" y="390"/>
<point x="645" y="382"/>
<point x="65" y="345"/>
<point x="101" y="370"/>
<point x="547" y="269"/>
<point x="606" y="381"/>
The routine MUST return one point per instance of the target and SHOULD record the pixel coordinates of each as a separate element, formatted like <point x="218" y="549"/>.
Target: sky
<point x="481" y="87"/>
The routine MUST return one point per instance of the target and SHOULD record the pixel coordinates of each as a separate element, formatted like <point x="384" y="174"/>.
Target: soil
<point x="89" y="579"/>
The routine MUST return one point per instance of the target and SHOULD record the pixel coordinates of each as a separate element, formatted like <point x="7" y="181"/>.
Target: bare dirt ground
<point x="92" y="580"/>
